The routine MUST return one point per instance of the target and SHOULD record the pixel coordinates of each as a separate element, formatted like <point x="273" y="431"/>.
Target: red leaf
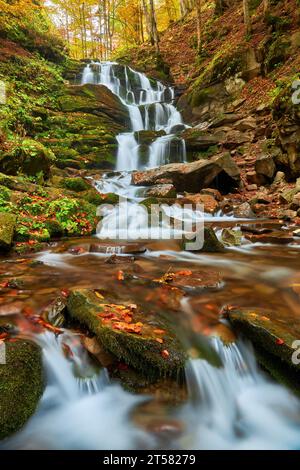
<point x="279" y="341"/>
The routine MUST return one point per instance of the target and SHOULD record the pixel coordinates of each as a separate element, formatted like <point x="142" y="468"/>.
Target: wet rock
<point x="243" y="211"/>
<point x="231" y="237"/>
<point x="213" y="192"/>
<point x="211" y="243"/>
<point x="7" y="228"/>
<point x="161" y="190"/>
<point x="94" y="99"/>
<point x="129" y="334"/>
<point x="95" y="348"/>
<point x="219" y="171"/>
<point x="147" y="137"/>
<point x="207" y="201"/>
<point x="54" y="313"/>
<point x="21" y="385"/>
<point x="268" y="332"/>
<point x="276" y="237"/>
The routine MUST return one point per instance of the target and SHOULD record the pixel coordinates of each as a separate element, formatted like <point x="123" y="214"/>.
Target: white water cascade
<point x="234" y="406"/>
<point x="150" y="107"/>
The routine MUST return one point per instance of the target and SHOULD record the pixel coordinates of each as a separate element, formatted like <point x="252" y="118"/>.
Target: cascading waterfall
<point x="150" y="107"/>
<point x="236" y="406"/>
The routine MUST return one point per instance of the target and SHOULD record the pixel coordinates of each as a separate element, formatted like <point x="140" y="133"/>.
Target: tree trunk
<point x="265" y="6"/>
<point x="154" y="32"/>
<point x="247" y="19"/>
<point x="199" y="24"/>
<point x="148" y="21"/>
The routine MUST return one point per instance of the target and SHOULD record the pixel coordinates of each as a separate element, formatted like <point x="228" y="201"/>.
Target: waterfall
<point x="150" y="107"/>
<point x="236" y="406"/>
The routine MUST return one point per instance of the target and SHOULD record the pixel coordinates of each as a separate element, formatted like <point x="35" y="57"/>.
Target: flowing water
<point x="235" y="406"/>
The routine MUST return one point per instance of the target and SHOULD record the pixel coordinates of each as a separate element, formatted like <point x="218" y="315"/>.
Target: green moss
<point x="277" y="53"/>
<point x="75" y="184"/>
<point x="7" y="227"/>
<point x="21" y="385"/>
<point x="265" y="333"/>
<point x="141" y="351"/>
<point x="29" y="157"/>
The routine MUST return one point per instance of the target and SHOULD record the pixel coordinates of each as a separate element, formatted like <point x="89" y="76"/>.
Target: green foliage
<point x="278" y="23"/>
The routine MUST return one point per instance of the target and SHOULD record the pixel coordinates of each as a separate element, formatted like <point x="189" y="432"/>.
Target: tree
<point x="199" y="24"/>
<point x="247" y="19"/>
<point x="265" y="6"/>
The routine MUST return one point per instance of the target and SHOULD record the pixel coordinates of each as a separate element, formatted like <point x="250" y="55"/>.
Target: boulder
<point x="21" y="385"/>
<point x="265" y="166"/>
<point x="219" y="171"/>
<point x="209" y="203"/>
<point x="196" y="139"/>
<point x="142" y="341"/>
<point x="94" y="99"/>
<point x="161" y="190"/>
<point x="211" y="243"/>
<point x="243" y="211"/>
<point x="286" y="115"/>
<point x="29" y="157"/>
<point x="7" y="228"/>
<point x="276" y="237"/>
<point x="269" y="331"/>
<point x="231" y="237"/>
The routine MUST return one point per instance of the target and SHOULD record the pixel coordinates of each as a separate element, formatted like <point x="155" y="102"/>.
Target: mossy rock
<point x="7" y="228"/>
<point x="21" y="385"/>
<point x="94" y="197"/>
<point x="140" y="351"/>
<point x="94" y="99"/>
<point x="29" y="157"/>
<point x="270" y="332"/>
<point x="211" y="243"/>
<point x="76" y="184"/>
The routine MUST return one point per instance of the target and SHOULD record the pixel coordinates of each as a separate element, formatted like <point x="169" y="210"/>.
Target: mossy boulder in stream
<point x="21" y="385"/>
<point x="270" y="332"/>
<point x="7" y="228"/>
<point x="143" y="342"/>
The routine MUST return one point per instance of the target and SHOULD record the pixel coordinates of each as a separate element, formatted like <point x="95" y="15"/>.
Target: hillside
<point x="236" y="85"/>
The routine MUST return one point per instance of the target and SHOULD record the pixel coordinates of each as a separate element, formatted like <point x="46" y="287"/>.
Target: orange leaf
<point x="159" y="332"/>
<point x="165" y="354"/>
<point x="159" y="340"/>
<point x="120" y="276"/>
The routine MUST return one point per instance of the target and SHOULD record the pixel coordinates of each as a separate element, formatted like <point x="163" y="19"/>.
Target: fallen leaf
<point x="159" y="332"/>
<point x="120" y="276"/>
<point x="279" y="341"/>
<point x="159" y="340"/>
<point x="165" y="354"/>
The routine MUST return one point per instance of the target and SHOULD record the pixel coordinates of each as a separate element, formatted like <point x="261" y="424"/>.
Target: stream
<point x="236" y="406"/>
